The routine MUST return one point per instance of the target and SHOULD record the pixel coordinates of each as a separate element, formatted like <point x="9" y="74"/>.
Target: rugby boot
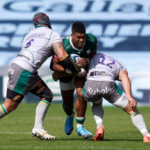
<point x="84" y="133"/>
<point x="69" y="125"/>
<point x="42" y="134"/>
<point x="146" y="139"/>
<point x="99" y="136"/>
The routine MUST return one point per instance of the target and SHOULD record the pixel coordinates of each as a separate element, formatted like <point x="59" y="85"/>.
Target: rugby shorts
<point x="21" y="80"/>
<point x="93" y="91"/>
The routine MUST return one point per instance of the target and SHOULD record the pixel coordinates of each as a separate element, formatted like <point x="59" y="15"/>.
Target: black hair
<point x="78" y="27"/>
<point x="41" y="18"/>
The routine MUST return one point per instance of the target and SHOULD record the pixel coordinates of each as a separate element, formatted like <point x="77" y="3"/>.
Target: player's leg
<point x="41" y="90"/>
<point x="68" y="100"/>
<point x="11" y="103"/>
<point x="92" y="93"/>
<point x="137" y="119"/>
<point x="80" y="107"/>
<point x="67" y="92"/>
<point x="98" y="113"/>
<point x="16" y="89"/>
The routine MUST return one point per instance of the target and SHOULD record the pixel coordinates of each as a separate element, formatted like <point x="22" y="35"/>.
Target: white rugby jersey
<point x="36" y="48"/>
<point x="103" y="68"/>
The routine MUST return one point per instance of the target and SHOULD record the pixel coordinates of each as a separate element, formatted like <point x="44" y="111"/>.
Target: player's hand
<point x="55" y="76"/>
<point x="82" y="73"/>
<point x="132" y="102"/>
<point x="81" y="63"/>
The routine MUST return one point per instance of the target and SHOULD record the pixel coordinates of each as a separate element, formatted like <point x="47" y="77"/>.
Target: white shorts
<point x="121" y="102"/>
<point x="67" y="86"/>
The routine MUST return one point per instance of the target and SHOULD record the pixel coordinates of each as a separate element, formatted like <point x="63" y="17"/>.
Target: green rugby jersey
<point x="88" y="48"/>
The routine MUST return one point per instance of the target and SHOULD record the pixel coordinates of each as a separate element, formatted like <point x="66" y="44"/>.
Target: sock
<point x="98" y="113"/>
<point x="80" y="121"/>
<point x="139" y="122"/>
<point x="3" y="111"/>
<point x="41" y="111"/>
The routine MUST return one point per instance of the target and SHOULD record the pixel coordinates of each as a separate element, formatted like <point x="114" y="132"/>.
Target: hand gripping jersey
<point x="89" y="47"/>
<point x="36" y="48"/>
<point x="103" y="68"/>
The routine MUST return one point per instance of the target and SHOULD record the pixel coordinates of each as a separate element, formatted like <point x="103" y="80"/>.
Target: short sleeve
<point x="56" y="37"/>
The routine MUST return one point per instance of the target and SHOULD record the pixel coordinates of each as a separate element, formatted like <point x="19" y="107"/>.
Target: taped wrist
<point x="68" y="63"/>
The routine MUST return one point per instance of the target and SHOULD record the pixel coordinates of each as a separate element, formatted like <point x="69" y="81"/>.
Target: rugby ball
<point x="75" y="57"/>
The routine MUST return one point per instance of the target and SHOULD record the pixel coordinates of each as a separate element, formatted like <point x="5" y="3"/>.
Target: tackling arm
<point x="123" y="76"/>
<point x="59" y="70"/>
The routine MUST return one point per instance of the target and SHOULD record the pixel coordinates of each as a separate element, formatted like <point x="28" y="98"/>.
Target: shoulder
<point x="66" y="39"/>
<point x="55" y="33"/>
<point x="66" y="42"/>
<point x="92" y="38"/>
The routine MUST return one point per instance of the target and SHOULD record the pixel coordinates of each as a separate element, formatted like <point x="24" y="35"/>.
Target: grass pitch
<point x="120" y="134"/>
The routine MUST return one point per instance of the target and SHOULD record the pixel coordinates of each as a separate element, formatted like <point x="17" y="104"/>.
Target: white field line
<point x="15" y="132"/>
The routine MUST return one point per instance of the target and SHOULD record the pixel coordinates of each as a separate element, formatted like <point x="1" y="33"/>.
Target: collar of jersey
<point x="39" y="26"/>
<point x="73" y="45"/>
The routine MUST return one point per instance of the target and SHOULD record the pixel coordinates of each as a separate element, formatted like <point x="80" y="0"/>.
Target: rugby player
<point x="100" y="82"/>
<point x="38" y="45"/>
<point x="85" y="46"/>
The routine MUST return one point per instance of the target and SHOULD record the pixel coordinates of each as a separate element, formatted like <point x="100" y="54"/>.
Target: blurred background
<point x="122" y="28"/>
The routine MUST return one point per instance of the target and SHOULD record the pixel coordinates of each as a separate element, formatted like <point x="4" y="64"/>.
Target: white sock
<point x="139" y="122"/>
<point x="3" y="111"/>
<point x="98" y="113"/>
<point x="80" y="121"/>
<point x="41" y="111"/>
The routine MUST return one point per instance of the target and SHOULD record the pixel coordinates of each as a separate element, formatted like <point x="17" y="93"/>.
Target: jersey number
<point x="108" y="64"/>
<point x="29" y="43"/>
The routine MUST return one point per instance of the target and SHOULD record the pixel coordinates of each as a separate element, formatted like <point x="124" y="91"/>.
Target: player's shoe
<point x="84" y="133"/>
<point x="42" y="134"/>
<point x="99" y="136"/>
<point x="146" y="139"/>
<point x="69" y="125"/>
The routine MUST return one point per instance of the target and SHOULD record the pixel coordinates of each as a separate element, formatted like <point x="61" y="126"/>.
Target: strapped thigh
<point x="41" y="90"/>
<point x="16" y="97"/>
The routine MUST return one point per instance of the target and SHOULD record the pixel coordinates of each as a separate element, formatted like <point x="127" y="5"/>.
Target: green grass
<point x="120" y="133"/>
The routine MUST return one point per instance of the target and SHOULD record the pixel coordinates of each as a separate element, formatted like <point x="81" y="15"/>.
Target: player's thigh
<point x="68" y="97"/>
<point x="91" y="91"/>
<point x="21" y="80"/>
<point x="114" y="95"/>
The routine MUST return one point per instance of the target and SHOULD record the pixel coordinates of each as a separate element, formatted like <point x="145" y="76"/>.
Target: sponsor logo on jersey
<point x="98" y="91"/>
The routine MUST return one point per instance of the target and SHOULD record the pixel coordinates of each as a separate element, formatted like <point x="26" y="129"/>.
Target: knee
<point x="10" y="107"/>
<point x="80" y="96"/>
<point x="47" y="95"/>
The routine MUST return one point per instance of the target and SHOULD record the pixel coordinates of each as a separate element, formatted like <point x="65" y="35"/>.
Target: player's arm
<point x="123" y="76"/>
<point x="64" y="58"/>
<point x="59" y="70"/>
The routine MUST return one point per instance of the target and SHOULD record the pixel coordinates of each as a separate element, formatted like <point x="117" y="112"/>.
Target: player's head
<point x="41" y="18"/>
<point x="78" y="34"/>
